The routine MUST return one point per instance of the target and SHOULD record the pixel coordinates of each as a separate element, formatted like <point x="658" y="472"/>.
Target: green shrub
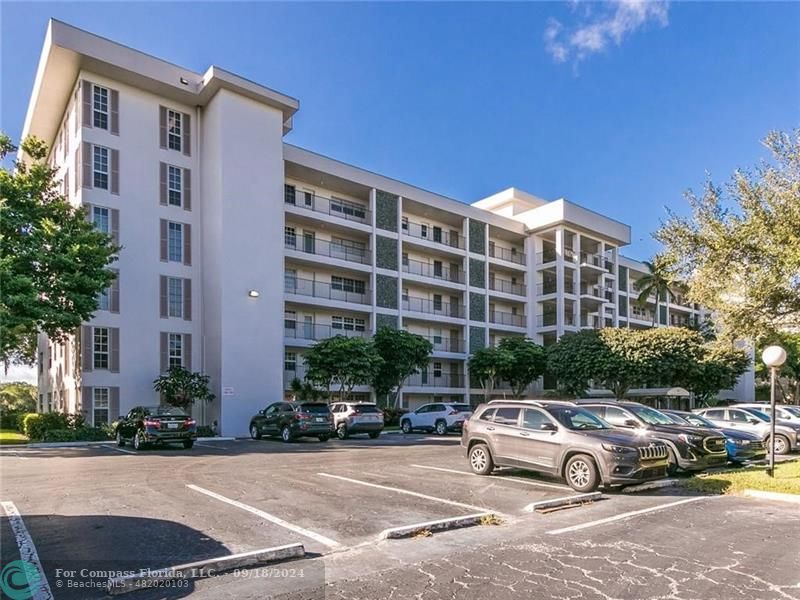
<point x="204" y="431"/>
<point x="21" y="421"/>
<point x="36" y="425"/>
<point x="80" y="434"/>
<point x="391" y="415"/>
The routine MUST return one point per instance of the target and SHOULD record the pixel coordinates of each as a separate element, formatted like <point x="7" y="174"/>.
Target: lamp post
<point x="773" y="357"/>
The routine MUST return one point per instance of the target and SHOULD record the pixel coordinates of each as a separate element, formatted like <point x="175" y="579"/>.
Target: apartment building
<point x="240" y="251"/>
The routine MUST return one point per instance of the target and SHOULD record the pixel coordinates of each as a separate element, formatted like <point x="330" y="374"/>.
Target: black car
<point x="690" y="448"/>
<point x="145" y="425"/>
<point x="292" y="420"/>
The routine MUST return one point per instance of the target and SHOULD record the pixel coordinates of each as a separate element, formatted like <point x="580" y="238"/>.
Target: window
<point x="174" y="185"/>
<point x="174" y="297"/>
<point x="346" y="284"/>
<point x="100" y="404"/>
<point x="533" y="419"/>
<point x="290" y="237"/>
<point x="101" y="347"/>
<point x="289" y="361"/>
<point x="175" y="350"/>
<point x="100" y="167"/>
<point x="104" y="299"/>
<point x="174" y="126"/>
<point x="289" y="319"/>
<point x="437" y="302"/>
<point x="715" y="414"/>
<point x="175" y="242"/>
<point x="347" y="209"/>
<point x="290" y="280"/>
<point x="487" y="415"/>
<point x="437" y="369"/>
<point x="506" y="416"/>
<point x="405" y="259"/>
<point x="423" y="230"/>
<point x="404" y="224"/>
<point x="405" y="294"/>
<point x="101" y="219"/>
<point x="100" y="105"/>
<point x="616" y="416"/>
<point x="289" y="194"/>
<point x="41" y="362"/>
<point x="347" y="323"/>
<point x="738" y="416"/>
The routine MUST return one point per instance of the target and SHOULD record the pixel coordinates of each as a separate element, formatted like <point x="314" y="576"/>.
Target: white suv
<point x="786" y="412"/>
<point x="356" y="417"/>
<point x="440" y="417"/>
<point x="787" y="434"/>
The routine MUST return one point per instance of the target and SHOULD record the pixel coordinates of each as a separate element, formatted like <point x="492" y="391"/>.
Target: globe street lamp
<point x="773" y="357"/>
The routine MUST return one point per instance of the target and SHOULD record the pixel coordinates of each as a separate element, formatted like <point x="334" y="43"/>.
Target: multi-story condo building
<point x="240" y="251"/>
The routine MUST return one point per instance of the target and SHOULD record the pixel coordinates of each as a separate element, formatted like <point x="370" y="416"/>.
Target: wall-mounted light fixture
<point x="254" y="293"/>
<point x="184" y="81"/>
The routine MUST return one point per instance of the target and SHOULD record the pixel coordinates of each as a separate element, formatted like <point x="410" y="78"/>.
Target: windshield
<point x="677" y="419"/>
<point x="577" y="418"/>
<point x="650" y="415"/>
<point x="792" y="410"/>
<point x="757" y="414"/>
<point x="698" y="421"/>
<point x="164" y="411"/>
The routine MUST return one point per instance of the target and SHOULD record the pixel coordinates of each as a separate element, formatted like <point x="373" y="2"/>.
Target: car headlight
<point x="690" y="439"/>
<point x="618" y="449"/>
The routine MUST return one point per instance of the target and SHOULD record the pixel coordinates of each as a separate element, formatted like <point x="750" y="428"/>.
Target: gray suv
<point x="561" y="439"/>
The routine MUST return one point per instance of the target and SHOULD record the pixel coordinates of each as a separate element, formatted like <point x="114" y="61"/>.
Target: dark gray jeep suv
<point x="561" y="439"/>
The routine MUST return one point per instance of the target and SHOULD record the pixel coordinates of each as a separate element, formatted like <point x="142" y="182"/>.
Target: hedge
<point x="36" y="425"/>
<point x="79" y="434"/>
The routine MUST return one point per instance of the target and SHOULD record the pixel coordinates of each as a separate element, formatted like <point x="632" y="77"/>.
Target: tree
<point x="305" y="391"/>
<point x="53" y="263"/>
<point x="487" y="366"/>
<point x="182" y="388"/>
<point x="656" y="282"/>
<point x="403" y="354"/>
<point x="743" y="262"/>
<point x="719" y="369"/>
<point x="526" y="362"/>
<point x="343" y="360"/>
<point x="790" y="371"/>
<point x="17" y="397"/>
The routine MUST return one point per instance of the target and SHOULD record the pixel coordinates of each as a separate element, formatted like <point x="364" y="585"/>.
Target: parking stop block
<point x="563" y="502"/>
<point x="405" y="531"/>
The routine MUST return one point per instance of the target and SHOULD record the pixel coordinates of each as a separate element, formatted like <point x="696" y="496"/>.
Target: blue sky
<point x="618" y="107"/>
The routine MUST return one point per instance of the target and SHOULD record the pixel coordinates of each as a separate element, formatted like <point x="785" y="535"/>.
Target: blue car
<point x="741" y="445"/>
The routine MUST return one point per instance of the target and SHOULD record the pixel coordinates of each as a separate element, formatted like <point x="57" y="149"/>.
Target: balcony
<point x="445" y="344"/>
<point x="550" y="287"/>
<point x="327" y="291"/>
<point x="569" y="319"/>
<point x="429" y="379"/>
<point x="550" y="255"/>
<point x="433" y="307"/>
<point x="595" y="292"/>
<point x="596" y="261"/>
<point x="336" y="250"/>
<point x="506" y="318"/>
<point x="512" y="255"/>
<point x="300" y="330"/>
<point x="335" y="207"/>
<point x="506" y="286"/>
<point x="547" y="320"/>
<point x="434" y="234"/>
<point x="591" y="321"/>
<point x="434" y="270"/>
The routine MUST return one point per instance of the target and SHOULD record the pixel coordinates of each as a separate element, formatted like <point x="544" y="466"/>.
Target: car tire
<point x="341" y="431"/>
<point x="138" y="443"/>
<point x="440" y="427"/>
<point x="581" y="473"/>
<point x="323" y="438"/>
<point x="187" y="444"/>
<point x="672" y="463"/>
<point x="406" y="426"/>
<point x="254" y="432"/>
<point x="782" y="445"/>
<point x="374" y="435"/>
<point x="286" y="434"/>
<point x="120" y="440"/>
<point x="480" y="459"/>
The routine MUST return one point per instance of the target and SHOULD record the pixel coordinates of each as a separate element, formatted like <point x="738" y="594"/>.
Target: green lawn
<point x="786" y="481"/>
<point x="10" y="437"/>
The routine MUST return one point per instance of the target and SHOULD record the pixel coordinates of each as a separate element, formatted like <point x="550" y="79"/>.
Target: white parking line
<point x="39" y="589"/>
<point x="268" y="517"/>
<point x="410" y="493"/>
<point x="628" y="515"/>
<point x="211" y="446"/>
<point x="118" y="449"/>
<point x="514" y="479"/>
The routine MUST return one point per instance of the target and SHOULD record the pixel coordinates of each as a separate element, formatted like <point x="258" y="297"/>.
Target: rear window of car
<point x="315" y="408"/>
<point x="463" y="407"/>
<point x="366" y="408"/>
<point x="165" y="411"/>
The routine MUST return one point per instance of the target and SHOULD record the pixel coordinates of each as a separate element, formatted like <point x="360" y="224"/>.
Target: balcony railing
<point x="594" y="260"/>
<point x="569" y="319"/>
<point x="595" y="291"/>
<point x="320" y="289"/>
<point x="506" y="286"/>
<point x="547" y="320"/>
<point x="507" y="318"/>
<point x="510" y="254"/>
<point x="433" y="234"/>
<point x="429" y="379"/>
<point x="329" y="249"/>
<point x="344" y="209"/>
<point x="433" y="270"/>
<point x="300" y="330"/>
<point x="433" y="307"/>
<point x="591" y="321"/>
<point x="549" y="287"/>
<point x="445" y="344"/>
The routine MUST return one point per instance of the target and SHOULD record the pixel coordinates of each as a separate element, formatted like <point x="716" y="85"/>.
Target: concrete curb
<point x="650" y="485"/>
<point x="405" y="531"/>
<point x="794" y="498"/>
<point x="565" y="501"/>
<point x="204" y="568"/>
<point x="106" y="442"/>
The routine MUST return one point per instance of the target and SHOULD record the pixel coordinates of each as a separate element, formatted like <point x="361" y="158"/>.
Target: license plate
<point x="172" y="425"/>
<point x="319" y="419"/>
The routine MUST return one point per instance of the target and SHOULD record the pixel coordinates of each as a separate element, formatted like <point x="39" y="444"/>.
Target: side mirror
<point x="630" y="423"/>
<point x="547" y="426"/>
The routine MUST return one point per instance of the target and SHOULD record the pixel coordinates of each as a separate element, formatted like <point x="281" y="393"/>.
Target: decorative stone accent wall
<point x="477" y="237"/>
<point x="386" y="210"/>
<point x="386" y="291"/>
<point x="382" y="320"/>
<point x="386" y="252"/>
<point x="477" y="307"/>
<point x="477" y="338"/>
<point x="477" y="273"/>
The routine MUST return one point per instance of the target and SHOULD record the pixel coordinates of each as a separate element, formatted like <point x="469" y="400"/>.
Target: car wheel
<point x="480" y="459"/>
<point x="254" y="432"/>
<point x="406" y="426"/>
<point x="323" y="438"/>
<point x="286" y="434"/>
<point x="374" y="435"/>
<point x="341" y="431"/>
<point x="581" y="473"/>
<point x="188" y="444"/>
<point x="120" y="440"/>
<point x="138" y="443"/>
<point x="441" y="427"/>
<point x="781" y="444"/>
<point x="672" y="462"/>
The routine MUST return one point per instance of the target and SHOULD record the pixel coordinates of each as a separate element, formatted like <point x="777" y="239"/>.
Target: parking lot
<point x="106" y="509"/>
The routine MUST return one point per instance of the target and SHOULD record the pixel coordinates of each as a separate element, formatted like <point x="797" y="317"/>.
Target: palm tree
<point x="658" y="281"/>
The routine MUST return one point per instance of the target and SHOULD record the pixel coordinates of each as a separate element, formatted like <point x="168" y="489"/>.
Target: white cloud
<point x="594" y="30"/>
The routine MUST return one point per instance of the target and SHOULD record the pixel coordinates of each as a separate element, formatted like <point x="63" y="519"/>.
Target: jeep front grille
<point x="714" y="444"/>
<point x="653" y="452"/>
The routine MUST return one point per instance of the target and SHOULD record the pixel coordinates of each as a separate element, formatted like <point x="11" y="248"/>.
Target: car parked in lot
<point x="740" y="445"/>
<point x="690" y="448"/>
<point x="440" y="417"/>
<point x="147" y="425"/>
<point x="291" y="420"/>
<point x="560" y="439"/>
<point x="356" y="417"/>
<point x="785" y="412"/>
<point x="787" y="434"/>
